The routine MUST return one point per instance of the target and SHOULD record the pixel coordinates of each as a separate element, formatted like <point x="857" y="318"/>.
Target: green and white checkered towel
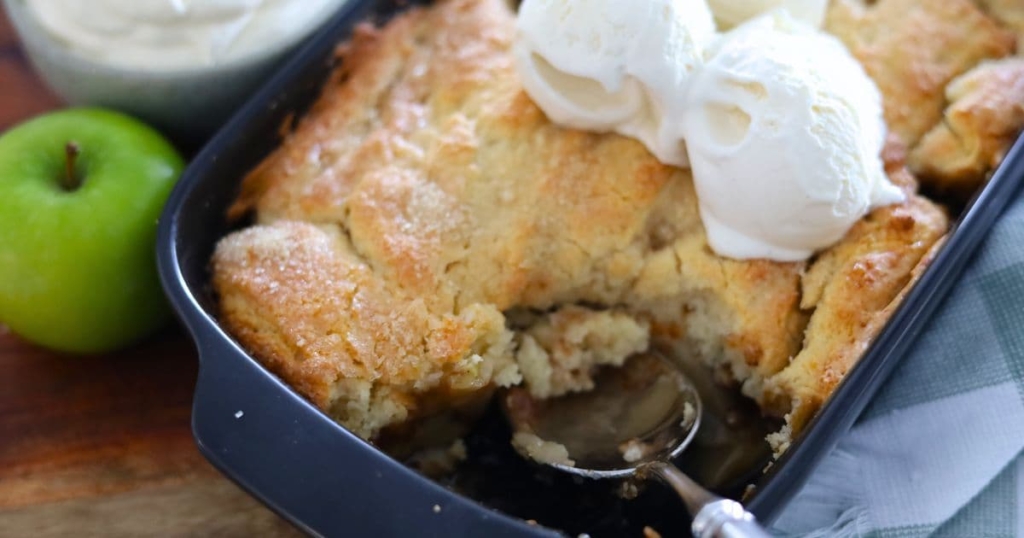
<point x="940" y="451"/>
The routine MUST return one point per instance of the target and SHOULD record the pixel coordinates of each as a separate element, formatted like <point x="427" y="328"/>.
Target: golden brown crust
<point x="984" y="116"/>
<point x="851" y="289"/>
<point x="427" y="180"/>
<point x="913" y="48"/>
<point x="301" y="301"/>
<point x="1010" y="13"/>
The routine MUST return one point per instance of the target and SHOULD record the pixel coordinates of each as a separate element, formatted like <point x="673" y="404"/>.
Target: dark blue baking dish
<point x="326" y="481"/>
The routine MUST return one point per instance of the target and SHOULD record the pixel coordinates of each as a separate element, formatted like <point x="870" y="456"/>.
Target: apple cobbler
<point x="426" y="235"/>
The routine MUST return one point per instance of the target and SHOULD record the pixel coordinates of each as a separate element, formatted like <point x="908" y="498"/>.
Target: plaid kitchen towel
<point x="940" y="451"/>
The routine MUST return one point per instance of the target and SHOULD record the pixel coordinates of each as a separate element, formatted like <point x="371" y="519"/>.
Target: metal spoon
<point x="632" y="424"/>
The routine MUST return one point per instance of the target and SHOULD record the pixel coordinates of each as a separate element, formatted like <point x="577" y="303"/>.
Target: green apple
<point x="80" y="194"/>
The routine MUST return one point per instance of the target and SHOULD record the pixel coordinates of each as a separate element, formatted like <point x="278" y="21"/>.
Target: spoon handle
<point x="713" y="516"/>
<point x="726" y="518"/>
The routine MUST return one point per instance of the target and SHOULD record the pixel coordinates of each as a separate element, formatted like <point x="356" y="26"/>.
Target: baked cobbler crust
<point x="913" y="48"/>
<point x="425" y="234"/>
<point x="301" y="300"/>
<point x="1009" y="12"/>
<point x="984" y="115"/>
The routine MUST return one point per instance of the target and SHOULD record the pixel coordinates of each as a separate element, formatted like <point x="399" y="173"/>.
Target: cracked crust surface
<point x="852" y="289"/>
<point x="425" y="179"/>
<point x="299" y="299"/>
<point x="980" y="124"/>
<point x="913" y="48"/>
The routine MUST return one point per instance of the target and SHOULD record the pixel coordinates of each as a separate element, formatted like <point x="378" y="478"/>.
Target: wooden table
<point x="101" y="446"/>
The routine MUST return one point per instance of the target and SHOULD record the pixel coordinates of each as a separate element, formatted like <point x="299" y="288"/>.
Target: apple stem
<point x="71" y="179"/>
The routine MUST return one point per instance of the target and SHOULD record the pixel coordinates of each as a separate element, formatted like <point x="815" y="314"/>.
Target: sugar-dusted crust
<point x="913" y="49"/>
<point x="982" y="120"/>
<point x="423" y="153"/>
<point x="428" y="180"/>
<point x="301" y="301"/>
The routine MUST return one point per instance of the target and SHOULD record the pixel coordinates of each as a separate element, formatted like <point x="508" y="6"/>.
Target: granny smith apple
<point x="80" y="194"/>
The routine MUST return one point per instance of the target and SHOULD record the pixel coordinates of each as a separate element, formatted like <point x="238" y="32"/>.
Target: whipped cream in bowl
<point x="182" y="65"/>
<point x="165" y="35"/>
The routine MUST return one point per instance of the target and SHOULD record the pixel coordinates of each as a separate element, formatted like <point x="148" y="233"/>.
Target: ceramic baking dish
<point x="291" y="456"/>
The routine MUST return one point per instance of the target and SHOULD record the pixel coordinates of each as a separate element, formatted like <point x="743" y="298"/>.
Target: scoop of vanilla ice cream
<point x="730" y="13"/>
<point x="614" y="65"/>
<point x="784" y="132"/>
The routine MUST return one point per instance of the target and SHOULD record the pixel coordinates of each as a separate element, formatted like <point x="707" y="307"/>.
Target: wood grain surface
<point x="101" y="446"/>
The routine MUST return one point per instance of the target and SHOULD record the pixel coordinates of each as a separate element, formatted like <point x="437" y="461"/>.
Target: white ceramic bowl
<point x="187" y="105"/>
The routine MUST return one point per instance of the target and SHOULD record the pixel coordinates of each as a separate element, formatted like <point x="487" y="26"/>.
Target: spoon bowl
<point x="632" y="424"/>
<point x="643" y="412"/>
